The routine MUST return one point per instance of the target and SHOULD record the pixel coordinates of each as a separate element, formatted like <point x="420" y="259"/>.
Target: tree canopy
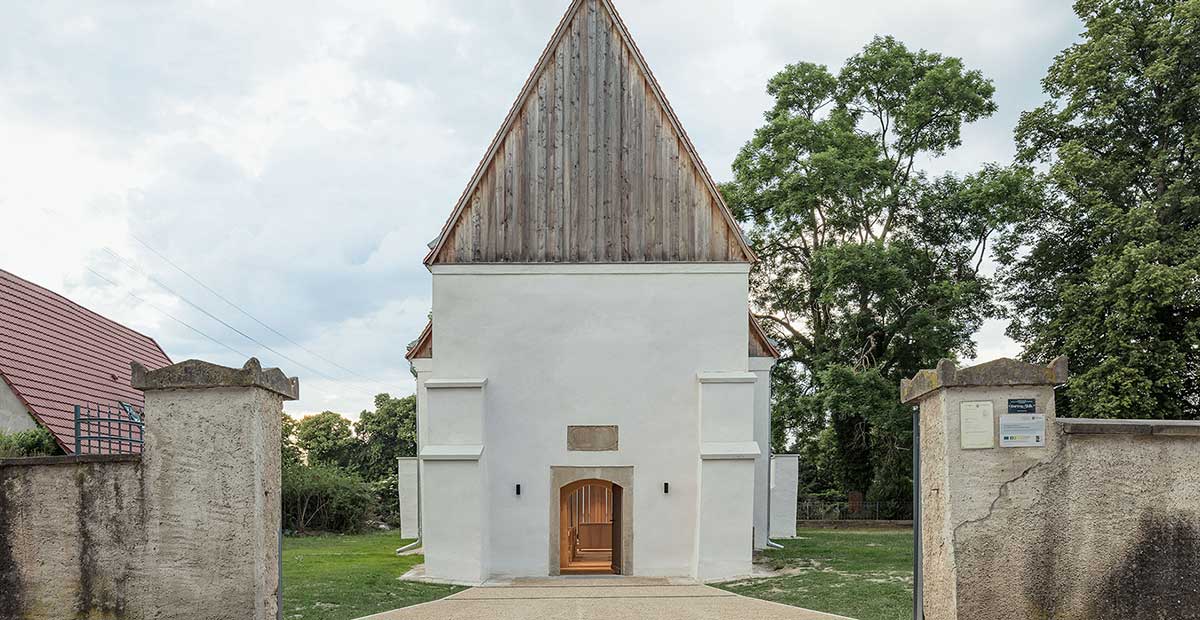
<point x="337" y="473"/>
<point x="870" y="267"/>
<point x="385" y="434"/>
<point x="326" y="439"/>
<point x="369" y="446"/>
<point x="290" y="452"/>
<point x="1106" y="269"/>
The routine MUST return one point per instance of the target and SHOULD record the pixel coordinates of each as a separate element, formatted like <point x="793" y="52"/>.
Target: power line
<point x="350" y="388"/>
<point x="168" y="314"/>
<point x="243" y="311"/>
<point x="215" y="317"/>
<point x="243" y="355"/>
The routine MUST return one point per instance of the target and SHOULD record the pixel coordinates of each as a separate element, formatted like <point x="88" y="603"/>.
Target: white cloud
<point x="297" y="156"/>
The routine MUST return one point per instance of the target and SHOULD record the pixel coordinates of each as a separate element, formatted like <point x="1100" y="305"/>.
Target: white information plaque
<point x="976" y="425"/>
<point x="1023" y="431"/>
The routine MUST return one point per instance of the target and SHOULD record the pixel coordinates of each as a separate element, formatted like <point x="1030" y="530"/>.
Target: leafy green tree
<point x="326" y="439"/>
<point x="289" y="451"/>
<point x="387" y="433"/>
<point x="350" y="474"/>
<point x="870" y="270"/>
<point x="816" y="480"/>
<point x="1107" y="268"/>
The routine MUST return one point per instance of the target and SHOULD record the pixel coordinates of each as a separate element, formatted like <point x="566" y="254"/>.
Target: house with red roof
<point x="56" y="355"/>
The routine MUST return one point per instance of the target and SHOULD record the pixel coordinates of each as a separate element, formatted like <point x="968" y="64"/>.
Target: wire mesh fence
<point x="827" y="510"/>
<point x="108" y="429"/>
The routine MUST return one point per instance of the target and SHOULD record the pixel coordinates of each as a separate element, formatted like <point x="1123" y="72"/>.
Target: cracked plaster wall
<point x="1090" y="527"/>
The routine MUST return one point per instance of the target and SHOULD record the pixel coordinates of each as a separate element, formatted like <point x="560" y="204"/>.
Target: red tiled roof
<point x="56" y="354"/>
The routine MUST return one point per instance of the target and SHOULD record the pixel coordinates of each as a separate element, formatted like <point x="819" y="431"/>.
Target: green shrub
<point x="387" y="500"/>
<point x="324" y="498"/>
<point x="32" y="442"/>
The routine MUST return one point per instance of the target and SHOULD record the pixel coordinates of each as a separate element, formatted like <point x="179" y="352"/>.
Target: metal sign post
<point x="918" y="578"/>
<point x="279" y="601"/>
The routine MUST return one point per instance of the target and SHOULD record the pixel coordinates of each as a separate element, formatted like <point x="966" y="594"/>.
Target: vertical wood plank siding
<point x="591" y="168"/>
<point x="760" y="345"/>
<point x="423" y="347"/>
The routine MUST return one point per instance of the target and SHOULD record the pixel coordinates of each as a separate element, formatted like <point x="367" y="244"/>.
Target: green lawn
<point x="334" y="577"/>
<point x="863" y="574"/>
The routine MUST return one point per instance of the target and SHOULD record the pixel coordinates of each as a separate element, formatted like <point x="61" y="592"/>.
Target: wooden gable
<point x="422" y="347"/>
<point x="591" y="166"/>
<point x="760" y="344"/>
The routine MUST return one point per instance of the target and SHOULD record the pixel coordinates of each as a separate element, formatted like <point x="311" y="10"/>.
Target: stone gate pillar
<point x="212" y="485"/>
<point x="981" y="427"/>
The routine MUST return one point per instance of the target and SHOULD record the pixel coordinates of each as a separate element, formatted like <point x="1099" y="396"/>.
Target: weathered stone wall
<point x="72" y="538"/>
<point x="190" y="529"/>
<point x="1109" y="527"/>
<point x="1103" y="522"/>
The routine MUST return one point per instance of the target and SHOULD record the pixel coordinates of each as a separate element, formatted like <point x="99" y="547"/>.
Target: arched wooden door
<point x="590" y="527"/>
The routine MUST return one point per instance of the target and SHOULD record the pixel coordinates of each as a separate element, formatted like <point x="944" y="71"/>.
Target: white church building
<point x="593" y="395"/>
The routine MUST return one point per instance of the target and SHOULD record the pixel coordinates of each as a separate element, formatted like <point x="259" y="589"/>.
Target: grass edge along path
<point x="864" y="574"/>
<point x="342" y="577"/>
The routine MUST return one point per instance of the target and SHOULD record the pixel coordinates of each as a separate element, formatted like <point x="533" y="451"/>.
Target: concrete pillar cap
<point x="197" y="374"/>
<point x="1000" y="372"/>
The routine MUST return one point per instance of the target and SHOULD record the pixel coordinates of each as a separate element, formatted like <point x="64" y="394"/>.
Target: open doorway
<point x="590" y="528"/>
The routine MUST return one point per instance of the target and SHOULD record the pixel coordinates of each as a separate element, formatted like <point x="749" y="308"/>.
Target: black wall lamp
<point x="666" y="487"/>
<point x="518" y="489"/>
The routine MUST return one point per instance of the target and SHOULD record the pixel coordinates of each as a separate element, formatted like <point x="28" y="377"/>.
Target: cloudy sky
<point x="295" y="157"/>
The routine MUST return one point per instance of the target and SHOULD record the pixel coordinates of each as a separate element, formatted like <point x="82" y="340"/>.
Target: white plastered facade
<point x="785" y="474"/>
<point x="14" y="418"/>
<point x="521" y="352"/>
<point x="407" y="484"/>
<point x="761" y="367"/>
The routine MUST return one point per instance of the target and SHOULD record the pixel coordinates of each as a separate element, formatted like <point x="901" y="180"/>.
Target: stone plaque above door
<point x="591" y="438"/>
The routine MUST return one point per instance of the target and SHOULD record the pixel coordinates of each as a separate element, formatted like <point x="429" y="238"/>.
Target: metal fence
<point x="824" y="510"/>
<point x="108" y="429"/>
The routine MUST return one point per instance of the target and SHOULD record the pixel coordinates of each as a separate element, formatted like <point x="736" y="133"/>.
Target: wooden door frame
<point x="617" y="528"/>
<point x="561" y="477"/>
